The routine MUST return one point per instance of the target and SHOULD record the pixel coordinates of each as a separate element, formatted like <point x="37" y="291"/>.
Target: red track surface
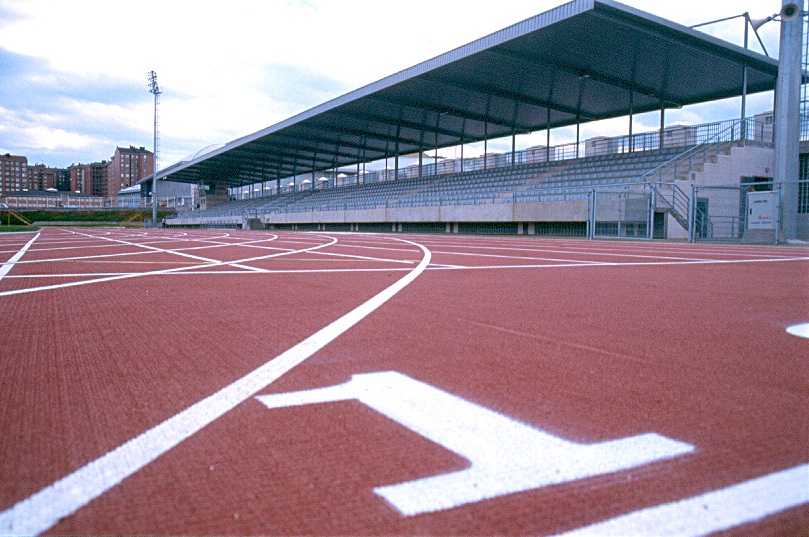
<point x="109" y="333"/>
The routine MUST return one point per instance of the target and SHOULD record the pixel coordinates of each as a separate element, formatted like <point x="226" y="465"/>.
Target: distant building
<point x="78" y="174"/>
<point x="63" y="179"/>
<point x="41" y="177"/>
<point x="50" y="199"/>
<point x="181" y="196"/>
<point x="127" y="167"/>
<point x="13" y="173"/>
<point x="130" y="197"/>
<point x="89" y="178"/>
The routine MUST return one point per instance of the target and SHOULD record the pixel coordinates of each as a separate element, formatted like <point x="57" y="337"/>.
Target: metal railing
<point x="699" y="142"/>
<point x="685" y="136"/>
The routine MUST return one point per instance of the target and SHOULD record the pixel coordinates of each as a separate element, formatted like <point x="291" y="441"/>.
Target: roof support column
<point x="548" y="137"/>
<point x="743" y="124"/>
<point x="514" y="133"/>
<point x="363" y="159"/>
<point x="421" y="150"/>
<point x="578" y="135"/>
<point x="662" y="124"/>
<point x="631" y="117"/>
<point x="463" y="135"/>
<point x="513" y="148"/>
<point x="294" y="171"/>
<point x="396" y="158"/>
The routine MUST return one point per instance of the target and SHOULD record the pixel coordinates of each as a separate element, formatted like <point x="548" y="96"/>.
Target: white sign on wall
<point x="505" y="456"/>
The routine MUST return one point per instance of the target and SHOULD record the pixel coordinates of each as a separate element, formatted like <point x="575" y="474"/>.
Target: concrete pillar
<point x="787" y="118"/>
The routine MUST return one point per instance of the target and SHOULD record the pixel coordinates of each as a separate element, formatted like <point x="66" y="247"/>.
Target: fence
<point x="746" y="212"/>
<point x="624" y="214"/>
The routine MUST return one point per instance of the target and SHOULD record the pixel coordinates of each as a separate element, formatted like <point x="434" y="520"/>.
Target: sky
<point x="74" y="75"/>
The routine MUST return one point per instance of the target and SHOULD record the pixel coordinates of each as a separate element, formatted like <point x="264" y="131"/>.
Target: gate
<point x="624" y="214"/>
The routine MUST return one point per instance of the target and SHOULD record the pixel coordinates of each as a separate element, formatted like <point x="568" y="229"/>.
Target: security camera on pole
<point x="154" y="89"/>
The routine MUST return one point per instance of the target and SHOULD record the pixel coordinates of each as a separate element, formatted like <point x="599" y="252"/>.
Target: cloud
<point x="79" y="69"/>
<point x="50" y="139"/>
<point x="23" y="133"/>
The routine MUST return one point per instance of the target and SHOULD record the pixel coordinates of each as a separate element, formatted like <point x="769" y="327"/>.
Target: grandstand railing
<point x="672" y="136"/>
<point x="700" y="143"/>
<point x="662" y="179"/>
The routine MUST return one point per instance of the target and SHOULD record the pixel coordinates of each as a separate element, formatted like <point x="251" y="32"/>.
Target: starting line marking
<point x="506" y="456"/>
<point x="45" y="508"/>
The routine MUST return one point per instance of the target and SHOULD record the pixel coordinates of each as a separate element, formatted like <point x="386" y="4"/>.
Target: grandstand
<point x="547" y="196"/>
<point x="490" y="89"/>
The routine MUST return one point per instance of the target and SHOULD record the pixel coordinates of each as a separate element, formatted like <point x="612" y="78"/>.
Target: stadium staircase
<point x="662" y="180"/>
<point x="18" y="217"/>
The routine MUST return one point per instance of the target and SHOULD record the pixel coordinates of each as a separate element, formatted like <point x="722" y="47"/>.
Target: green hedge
<point x="112" y="215"/>
<point x="13" y="228"/>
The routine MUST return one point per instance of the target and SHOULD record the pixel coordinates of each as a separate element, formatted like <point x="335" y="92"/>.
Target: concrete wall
<point x="561" y="211"/>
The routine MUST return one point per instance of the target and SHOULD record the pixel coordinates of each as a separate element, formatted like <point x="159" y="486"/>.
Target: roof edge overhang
<point x="642" y="21"/>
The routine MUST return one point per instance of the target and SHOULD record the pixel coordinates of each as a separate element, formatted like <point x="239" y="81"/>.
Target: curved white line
<point x="43" y="509"/>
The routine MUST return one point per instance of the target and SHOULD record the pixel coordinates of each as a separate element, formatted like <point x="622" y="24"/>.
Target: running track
<point x="225" y="382"/>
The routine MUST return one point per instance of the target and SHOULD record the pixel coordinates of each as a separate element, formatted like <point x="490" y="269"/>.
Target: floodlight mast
<point x="154" y="89"/>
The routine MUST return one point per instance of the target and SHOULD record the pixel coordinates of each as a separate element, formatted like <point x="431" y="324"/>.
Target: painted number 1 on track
<point x="506" y="456"/>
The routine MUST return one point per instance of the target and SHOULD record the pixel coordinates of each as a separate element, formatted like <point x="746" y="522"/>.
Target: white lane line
<point x="200" y="270"/>
<point x="85" y="275"/>
<point x="712" y="512"/>
<point x="619" y="264"/>
<point x="800" y="330"/>
<point x="161" y="272"/>
<point x="607" y="248"/>
<point x="43" y="509"/>
<point x="188" y="272"/>
<point x="205" y="260"/>
<point x="516" y="257"/>
<point x="129" y="253"/>
<point x="8" y="265"/>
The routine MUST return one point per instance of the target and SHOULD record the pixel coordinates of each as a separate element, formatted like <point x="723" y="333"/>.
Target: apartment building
<point x="89" y="178"/>
<point x="41" y="177"/>
<point x="13" y="173"/>
<point x="127" y="167"/>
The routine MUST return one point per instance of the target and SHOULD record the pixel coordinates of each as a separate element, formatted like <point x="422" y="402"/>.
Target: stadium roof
<point x="582" y="61"/>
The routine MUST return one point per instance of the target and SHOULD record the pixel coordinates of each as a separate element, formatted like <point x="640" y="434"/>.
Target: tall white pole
<point x="155" y="90"/>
